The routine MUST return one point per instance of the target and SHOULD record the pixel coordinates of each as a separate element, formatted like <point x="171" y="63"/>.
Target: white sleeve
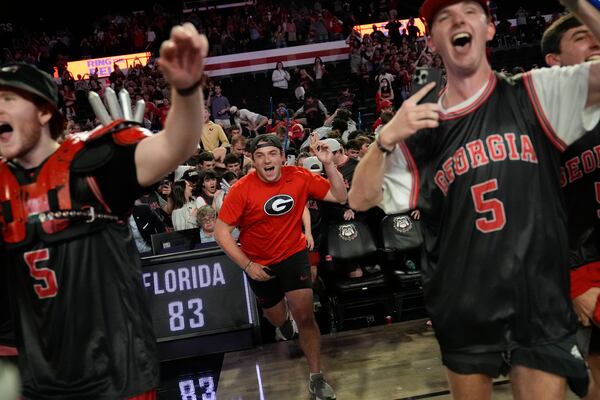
<point x="252" y="116"/>
<point x="559" y="95"/>
<point x="245" y="115"/>
<point x="178" y="220"/>
<point x="398" y="183"/>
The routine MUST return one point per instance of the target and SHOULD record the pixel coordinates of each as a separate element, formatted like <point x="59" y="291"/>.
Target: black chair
<point x="354" y="298"/>
<point x="177" y="241"/>
<point x="401" y="240"/>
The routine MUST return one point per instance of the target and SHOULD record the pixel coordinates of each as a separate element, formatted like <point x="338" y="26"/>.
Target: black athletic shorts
<point x="562" y="358"/>
<point x="290" y="274"/>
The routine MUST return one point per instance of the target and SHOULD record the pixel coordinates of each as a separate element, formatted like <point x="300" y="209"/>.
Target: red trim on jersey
<point x="150" y="395"/>
<point x="414" y="173"/>
<point x="97" y="193"/>
<point x="540" y="115"/>
<point x="487" y="92"/>
<point x="32" y="198"/>
<point x="129" y="136"/>
<point x="101" y="131"/>
<point x="7" y="351"/>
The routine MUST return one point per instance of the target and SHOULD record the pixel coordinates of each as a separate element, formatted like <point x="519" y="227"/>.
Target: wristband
<point x="595" y="3"/>
<point x="382" y="148"/>
<point x="247" y="265"/>
<point x="190" y="90"/>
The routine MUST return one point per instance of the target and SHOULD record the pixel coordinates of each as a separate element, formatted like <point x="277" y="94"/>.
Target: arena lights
<point x="367" y="29"/>
<point x="105" y="64"/>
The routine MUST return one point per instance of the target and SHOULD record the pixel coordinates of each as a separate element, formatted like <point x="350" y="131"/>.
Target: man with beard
<point x="267" y="206"/>
<point x="81" y="320"/>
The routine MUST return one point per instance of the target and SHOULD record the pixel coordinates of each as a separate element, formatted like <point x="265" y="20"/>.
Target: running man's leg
<point x="300" y="302"/>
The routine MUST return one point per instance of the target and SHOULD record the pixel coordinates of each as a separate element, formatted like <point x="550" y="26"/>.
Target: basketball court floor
<point x="400" y="361"/>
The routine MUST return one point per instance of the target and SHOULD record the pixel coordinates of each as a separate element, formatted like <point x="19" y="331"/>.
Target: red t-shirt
<point x="269" y="215"/>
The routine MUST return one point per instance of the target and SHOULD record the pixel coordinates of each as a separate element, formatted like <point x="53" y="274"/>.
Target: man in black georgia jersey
<point x="482" y="165"/>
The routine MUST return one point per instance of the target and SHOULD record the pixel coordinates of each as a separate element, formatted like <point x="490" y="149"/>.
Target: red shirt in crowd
<point x="269" y="215"/>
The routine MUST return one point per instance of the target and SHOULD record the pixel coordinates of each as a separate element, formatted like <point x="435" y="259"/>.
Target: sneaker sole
<point x="314" y="397"/>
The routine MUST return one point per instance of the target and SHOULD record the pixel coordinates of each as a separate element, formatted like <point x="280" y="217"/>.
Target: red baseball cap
<point x="431" y="7"/>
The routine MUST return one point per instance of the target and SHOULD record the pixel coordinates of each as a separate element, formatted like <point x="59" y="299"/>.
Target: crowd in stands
<point x="381" y="66"/>
<point x="268" y="24"/>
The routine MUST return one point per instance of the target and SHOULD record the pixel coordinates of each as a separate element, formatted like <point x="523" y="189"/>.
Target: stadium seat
<point x="355" y="298"/>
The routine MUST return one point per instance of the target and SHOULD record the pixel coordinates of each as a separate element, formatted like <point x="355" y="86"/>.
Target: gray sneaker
<point x="319" y="389"/>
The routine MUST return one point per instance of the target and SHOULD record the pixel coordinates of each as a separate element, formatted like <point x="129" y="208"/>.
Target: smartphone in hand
<point x="422" y="77"/>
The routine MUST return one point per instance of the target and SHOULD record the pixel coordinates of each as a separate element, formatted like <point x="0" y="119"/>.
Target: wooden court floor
<point x="396" y="362"/>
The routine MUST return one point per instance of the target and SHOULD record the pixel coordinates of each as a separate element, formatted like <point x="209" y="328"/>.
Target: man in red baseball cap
<point x="495" y="234"/>
<point x="431" y="7"/>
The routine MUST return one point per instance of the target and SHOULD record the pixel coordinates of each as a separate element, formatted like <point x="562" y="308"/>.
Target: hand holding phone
<point x="421" y="78"/>
<point x="415" y="114"/>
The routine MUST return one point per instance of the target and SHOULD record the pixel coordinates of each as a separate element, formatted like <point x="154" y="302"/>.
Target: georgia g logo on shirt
<point x="279" y="205"/>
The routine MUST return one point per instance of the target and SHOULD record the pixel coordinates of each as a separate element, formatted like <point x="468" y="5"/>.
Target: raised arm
<point x="367" y="183"/>
<point x="310" y="241"/>
<point x="330" y="119"/>
<point x="337" y="193"/>
<point x="366" y="191"/>
<point x="182" y="63"/>
<point x="322" y="107"/>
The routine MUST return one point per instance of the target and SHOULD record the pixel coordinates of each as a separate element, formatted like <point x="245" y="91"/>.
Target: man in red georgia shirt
<point x="267" y="206"/>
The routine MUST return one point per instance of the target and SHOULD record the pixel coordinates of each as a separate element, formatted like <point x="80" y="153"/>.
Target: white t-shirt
<point x="247" y="117"/>
<point x="185" y="217"/>
<point x="280" y="79"/>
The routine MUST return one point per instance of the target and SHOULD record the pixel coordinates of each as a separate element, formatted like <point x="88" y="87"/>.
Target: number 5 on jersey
<point x="48" y="287"/>
<point x="497" y="219"/>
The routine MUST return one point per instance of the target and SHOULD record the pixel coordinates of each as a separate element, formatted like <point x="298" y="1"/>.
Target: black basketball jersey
<point x="83" y="329"/>
<point x="81" y="320"/>
<point x="495" y="253"/>
<point x="580" y="178"/>
<point x="7" y="337"/>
